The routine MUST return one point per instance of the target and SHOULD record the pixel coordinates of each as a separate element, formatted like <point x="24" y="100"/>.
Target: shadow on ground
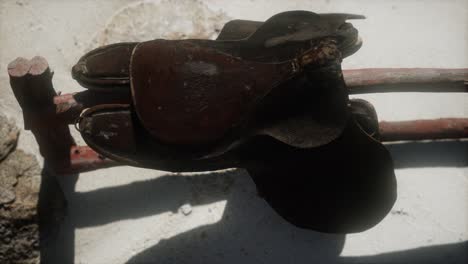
<point x="246" y="218"/>
<point x="429" y="154"/>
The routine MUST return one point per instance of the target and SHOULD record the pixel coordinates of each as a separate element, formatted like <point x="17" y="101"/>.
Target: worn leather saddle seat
<point x="225" y="90"/>
<point x="280" y="38"/>
<point x="265" y="96"/>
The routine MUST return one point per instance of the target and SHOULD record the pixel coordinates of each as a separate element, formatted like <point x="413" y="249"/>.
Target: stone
<point x="186" y="209"/>
<point x="165" y="19"/>
<point x="8" y="136"/>
<point x="6" y="195"/>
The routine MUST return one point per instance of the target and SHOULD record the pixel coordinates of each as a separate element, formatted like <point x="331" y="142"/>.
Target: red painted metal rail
<point x="444" y="128"/>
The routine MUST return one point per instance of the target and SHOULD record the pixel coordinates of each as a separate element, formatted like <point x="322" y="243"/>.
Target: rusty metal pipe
<point x="444" y="128"/>
<point x="380" y="80"/>
<point x="69" y="106"/>
<point x="83" y="158"/>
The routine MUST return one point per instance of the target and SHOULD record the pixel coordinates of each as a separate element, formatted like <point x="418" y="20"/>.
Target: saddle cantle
<point x="265" y="96"/>
<point x="280" y="38"/>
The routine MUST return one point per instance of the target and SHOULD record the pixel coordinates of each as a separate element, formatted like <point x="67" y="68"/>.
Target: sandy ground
<point x="145" y="216"/>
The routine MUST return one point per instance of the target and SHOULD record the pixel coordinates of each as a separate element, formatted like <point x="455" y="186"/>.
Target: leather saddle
<point x="265" y="96"/>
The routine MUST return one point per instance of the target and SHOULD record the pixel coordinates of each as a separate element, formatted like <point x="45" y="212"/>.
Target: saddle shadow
<point x="454" y="253"/>
<point x="248" y="231"/>
<point x="429" y="154"/>
<point x="229" y="240"/>
<point x="168" y="252"/>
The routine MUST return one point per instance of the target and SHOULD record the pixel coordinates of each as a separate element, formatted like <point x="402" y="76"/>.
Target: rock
<point x="20" y="174"/>
<point x="186" y="209"/>
<point x="8" y="136"/>
<point x="19" y="243"/>
<point x="6" y="195"/>
<point x="166" y="19"/>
